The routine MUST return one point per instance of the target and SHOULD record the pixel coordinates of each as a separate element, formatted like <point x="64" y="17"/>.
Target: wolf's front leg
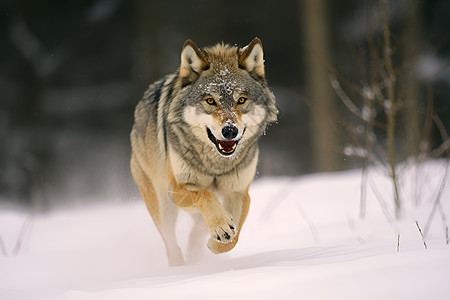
<point x="219" y="222"/>
<point x="237" y="204"/>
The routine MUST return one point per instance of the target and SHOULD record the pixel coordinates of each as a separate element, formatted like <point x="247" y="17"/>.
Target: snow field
<point x="303" y="239"/>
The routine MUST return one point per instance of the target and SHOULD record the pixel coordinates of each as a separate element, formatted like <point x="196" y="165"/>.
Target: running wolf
<point x="194" y="143"/>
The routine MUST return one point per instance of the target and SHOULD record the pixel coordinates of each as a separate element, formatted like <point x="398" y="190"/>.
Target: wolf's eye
<point x="210" y="101"/>
<point x="241" y="100"/>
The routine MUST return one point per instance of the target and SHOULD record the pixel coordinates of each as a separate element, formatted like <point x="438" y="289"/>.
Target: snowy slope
<point x="303" y="239"/>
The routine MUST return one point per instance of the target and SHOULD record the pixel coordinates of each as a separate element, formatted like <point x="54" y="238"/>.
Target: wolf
<point x="194" y="143"/>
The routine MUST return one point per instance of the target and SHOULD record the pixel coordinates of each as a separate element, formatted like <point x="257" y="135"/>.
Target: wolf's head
<point x="224" y="95"/>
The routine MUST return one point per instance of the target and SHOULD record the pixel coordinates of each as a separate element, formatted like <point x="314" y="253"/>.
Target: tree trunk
<point x="316" y="49"/>
<point x="413" y="113"/>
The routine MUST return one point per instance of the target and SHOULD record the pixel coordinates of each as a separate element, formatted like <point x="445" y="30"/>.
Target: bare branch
<point x="2" y="247"/>
<point x="421" y="234"/>
<point x="20" y="239"/>
<point x="344" y="98"/>
<point x="437" y="201"/>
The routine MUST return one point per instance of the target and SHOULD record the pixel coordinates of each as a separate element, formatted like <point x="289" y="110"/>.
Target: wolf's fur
<point x="183" y="157"/>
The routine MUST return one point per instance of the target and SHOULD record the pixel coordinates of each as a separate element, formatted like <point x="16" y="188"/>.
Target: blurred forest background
<point x="72" y="72"/>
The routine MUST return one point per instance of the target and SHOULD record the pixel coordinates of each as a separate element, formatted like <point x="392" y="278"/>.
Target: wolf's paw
<point x="218" y="247"/>
<point x="223" y="229"/>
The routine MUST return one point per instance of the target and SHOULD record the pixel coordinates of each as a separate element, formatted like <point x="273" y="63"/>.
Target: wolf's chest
<point x="210" y="177"/>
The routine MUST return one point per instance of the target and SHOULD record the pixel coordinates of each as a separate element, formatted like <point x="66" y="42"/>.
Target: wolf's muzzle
<point x="229" y="132"/>
<point x="227" y="146"/>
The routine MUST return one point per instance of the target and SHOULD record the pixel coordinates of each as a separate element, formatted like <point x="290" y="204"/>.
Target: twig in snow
<point x="446" y="235"/>
<point x="282" y="194"/>
<point x="379" y="197"/>
<point x="363" y="189"/>
<point x="398" y="242"/>
<point x="309" y="222"/>
<point x="421" y="234"/>
<point x="26" y="224"/>
<point x="437" y="202"/>
<point x="444" y="221"/>
<point x="2" y="247"/>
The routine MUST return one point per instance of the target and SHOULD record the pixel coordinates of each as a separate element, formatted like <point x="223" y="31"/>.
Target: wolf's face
<point x="226" y="100"/>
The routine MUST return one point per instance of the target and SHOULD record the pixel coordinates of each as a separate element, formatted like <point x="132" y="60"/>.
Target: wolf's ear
<point x="193" y="60"/>
<point x="251" y="58"/>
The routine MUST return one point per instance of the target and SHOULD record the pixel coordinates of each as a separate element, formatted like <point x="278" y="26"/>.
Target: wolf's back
<point x="151" y="113"/>
<point x="149" y="133"/>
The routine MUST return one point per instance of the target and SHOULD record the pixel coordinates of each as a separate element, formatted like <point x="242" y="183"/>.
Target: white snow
<point x="303" y="239"/>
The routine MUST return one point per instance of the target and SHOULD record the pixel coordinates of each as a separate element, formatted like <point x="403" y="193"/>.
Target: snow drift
<point x="303" y="239"/>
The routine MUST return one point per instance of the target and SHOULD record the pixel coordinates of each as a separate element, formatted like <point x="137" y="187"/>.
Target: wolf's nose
<point x="230" y="132"/>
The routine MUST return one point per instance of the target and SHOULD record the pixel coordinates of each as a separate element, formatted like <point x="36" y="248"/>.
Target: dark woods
<point x="72" y="72"/>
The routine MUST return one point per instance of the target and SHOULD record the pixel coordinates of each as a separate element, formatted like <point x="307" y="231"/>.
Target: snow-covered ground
<point x="303" y="239"/>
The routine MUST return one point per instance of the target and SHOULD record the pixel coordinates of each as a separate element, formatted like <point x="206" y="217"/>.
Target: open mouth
<point x="224" y="147"/>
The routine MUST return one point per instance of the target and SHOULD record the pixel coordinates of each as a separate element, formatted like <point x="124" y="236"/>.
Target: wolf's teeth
<point x="222" y="148"/>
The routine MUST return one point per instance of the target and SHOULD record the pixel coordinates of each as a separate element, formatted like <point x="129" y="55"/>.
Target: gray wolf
<point x="194" y="143"/>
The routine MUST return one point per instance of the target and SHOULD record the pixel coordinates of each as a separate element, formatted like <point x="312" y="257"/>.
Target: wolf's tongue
<point x="226" y="146"/>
